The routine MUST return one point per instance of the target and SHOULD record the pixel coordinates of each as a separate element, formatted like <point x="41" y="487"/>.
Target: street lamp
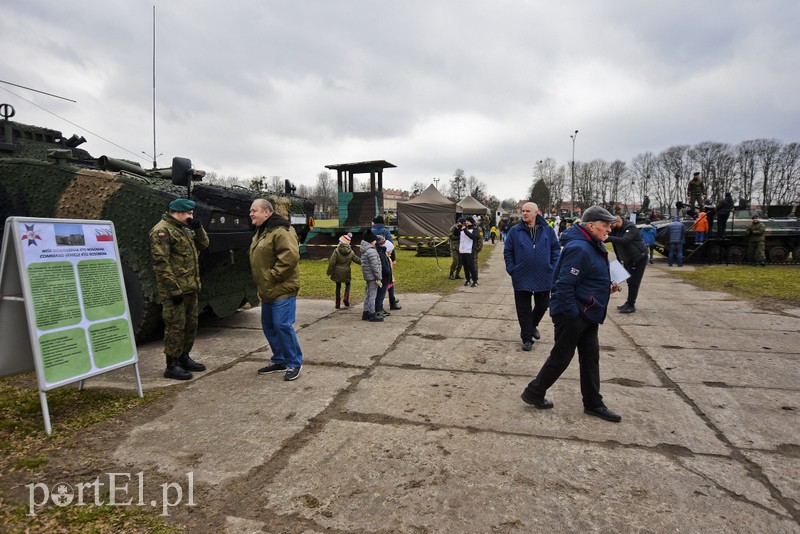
<point x="572" y="180"/>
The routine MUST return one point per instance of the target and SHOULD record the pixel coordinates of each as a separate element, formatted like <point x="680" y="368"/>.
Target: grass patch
<point x="26" y="451"/>
<point x="326" y="223"/>
<point x="770" y="286"/>
<point x="87" y="518"/>
<point x="412" y="273"/>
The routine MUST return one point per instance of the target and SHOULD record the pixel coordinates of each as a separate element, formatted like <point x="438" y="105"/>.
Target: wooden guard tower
<point x="358" y="209"/>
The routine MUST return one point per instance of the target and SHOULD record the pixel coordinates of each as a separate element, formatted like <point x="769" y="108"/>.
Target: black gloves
<point x="177" y="299"/>
<point x="194" y="223"/>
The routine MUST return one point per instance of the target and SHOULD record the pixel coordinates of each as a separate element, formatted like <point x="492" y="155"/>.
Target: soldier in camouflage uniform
<point x="174" y="244"/>
<point x="755" y="241"/>
<point x="696" y="191"/>
<point x="455" y="236"/>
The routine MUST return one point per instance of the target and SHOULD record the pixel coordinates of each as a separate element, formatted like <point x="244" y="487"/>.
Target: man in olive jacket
<point x="274" y="260"/>
<point x="174" y="245"/>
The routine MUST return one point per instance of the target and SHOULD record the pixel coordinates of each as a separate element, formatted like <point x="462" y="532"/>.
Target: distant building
<point x="390" y="198"/>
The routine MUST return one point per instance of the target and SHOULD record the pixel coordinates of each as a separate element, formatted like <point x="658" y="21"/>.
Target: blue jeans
<point x="676" y="248"/>
<point x="277" y="319"/>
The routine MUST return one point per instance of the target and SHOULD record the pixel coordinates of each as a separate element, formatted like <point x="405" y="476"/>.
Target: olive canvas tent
<point x="470" y="206"/>
<point x="422" y="218"/>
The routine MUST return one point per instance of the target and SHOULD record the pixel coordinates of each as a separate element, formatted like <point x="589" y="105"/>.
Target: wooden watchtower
<point x="358" y="208"/>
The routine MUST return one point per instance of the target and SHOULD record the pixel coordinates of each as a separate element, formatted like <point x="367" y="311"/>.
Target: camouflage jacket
<point x="695" y="187"/>
<point x="275" y="259"/>
<point x="756" y="231"/>
<point x="174" y="248"/>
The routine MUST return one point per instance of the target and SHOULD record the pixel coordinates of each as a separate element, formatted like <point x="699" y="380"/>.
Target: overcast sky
<point x="259" y="87"/>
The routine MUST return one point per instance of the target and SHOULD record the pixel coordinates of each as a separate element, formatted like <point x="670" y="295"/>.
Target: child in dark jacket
<point x="386" y="275"/>
<point x="339" y="268"/>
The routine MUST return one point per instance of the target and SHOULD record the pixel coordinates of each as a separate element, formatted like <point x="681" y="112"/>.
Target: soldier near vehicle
<point x="175" y="243"/>
<point x="696" y="191"/>
<point x="756" y="232"/>
<point x="724" y="210"/>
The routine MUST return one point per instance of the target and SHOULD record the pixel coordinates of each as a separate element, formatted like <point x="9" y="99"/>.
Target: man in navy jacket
<point x="579" y="299"/>
<point x="531" y="251"/>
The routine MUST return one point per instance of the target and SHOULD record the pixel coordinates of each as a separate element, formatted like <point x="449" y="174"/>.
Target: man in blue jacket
<point x="579" y="299"/>
<point x="677" y="237"/>
<point x="531" y="250"/>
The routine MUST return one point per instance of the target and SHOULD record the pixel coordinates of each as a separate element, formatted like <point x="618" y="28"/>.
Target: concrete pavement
<point x="416" y="425"/>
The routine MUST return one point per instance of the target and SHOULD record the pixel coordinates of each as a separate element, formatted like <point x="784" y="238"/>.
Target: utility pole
<point x="572" y="180"/>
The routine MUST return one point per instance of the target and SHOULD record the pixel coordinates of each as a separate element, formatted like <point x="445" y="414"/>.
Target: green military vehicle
<point x="782" y="238"/>
<point x="44" y="174"/>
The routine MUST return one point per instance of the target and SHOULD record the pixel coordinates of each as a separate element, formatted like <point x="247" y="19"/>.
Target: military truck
<point x="44" y="174"/>
<point x="781" y="240"/>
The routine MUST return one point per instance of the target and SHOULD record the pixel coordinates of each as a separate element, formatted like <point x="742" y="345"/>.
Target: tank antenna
<point x="37" y="91"/>
<point x="155" y="152"/>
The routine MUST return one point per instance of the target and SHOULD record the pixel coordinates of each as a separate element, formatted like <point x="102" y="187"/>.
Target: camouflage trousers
<point x="455" y="265"/>
<point x="696" y="200"/>
<point x="180" y="325"/>
<point x="755" y="250"/>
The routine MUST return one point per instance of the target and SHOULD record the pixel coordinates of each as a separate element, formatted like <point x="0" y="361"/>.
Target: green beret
<point x="181" y="204"/>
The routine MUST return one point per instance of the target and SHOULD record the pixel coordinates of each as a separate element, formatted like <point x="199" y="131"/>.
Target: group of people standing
<point x="377" y="266"/>
<point x="466" y="241"/>
<point x="175" y="243"/>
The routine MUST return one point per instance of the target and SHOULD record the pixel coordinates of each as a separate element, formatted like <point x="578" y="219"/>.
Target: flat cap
<point x="596" y="213"/>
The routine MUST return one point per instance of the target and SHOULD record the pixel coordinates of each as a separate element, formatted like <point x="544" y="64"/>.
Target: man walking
<point x="581" y="291"/>
<point x="631" y="251"/>
<point x="274" y="260"/>
<point x="531" y="251"/>
<point x="174" y="245"/>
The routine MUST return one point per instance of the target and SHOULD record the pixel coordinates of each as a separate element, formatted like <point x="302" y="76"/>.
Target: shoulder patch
<point x="574" y="271"/>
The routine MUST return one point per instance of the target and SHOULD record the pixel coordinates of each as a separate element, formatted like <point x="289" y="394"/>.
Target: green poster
<point x="65" y="355"/>
<point x="54" y="292"/>
<point x="111" y="342"/>
<point x="101" y="289"/>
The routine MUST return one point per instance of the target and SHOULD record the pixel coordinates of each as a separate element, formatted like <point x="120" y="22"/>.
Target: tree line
<point x="762" y="172"/>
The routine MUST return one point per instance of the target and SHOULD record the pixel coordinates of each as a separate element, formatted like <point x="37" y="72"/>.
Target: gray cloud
<point x="283" y="88"/>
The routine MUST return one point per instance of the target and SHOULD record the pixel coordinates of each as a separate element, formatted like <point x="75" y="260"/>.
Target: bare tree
<point x="767" y="155"/>
<point x="786" y="185"/>
<point x="458" y="184"/>
<point x="418" y="187"/>
<point x="643" y="168"/>
<point x="673" y="167"/>
<point x="745" y="154"/>
<point x="325" y="193"/>
<point x="276" y="185"/>
<point x="305" y="191"/>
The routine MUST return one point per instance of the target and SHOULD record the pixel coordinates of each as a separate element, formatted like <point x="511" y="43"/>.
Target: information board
<point x="63" y="308"/>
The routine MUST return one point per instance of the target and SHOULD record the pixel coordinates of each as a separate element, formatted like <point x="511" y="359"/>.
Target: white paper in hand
<point x="618" y="273"/>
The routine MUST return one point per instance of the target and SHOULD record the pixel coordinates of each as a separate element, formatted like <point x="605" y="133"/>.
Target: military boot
<point x="189" y="364"/>
<point x="175" y="371"/>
